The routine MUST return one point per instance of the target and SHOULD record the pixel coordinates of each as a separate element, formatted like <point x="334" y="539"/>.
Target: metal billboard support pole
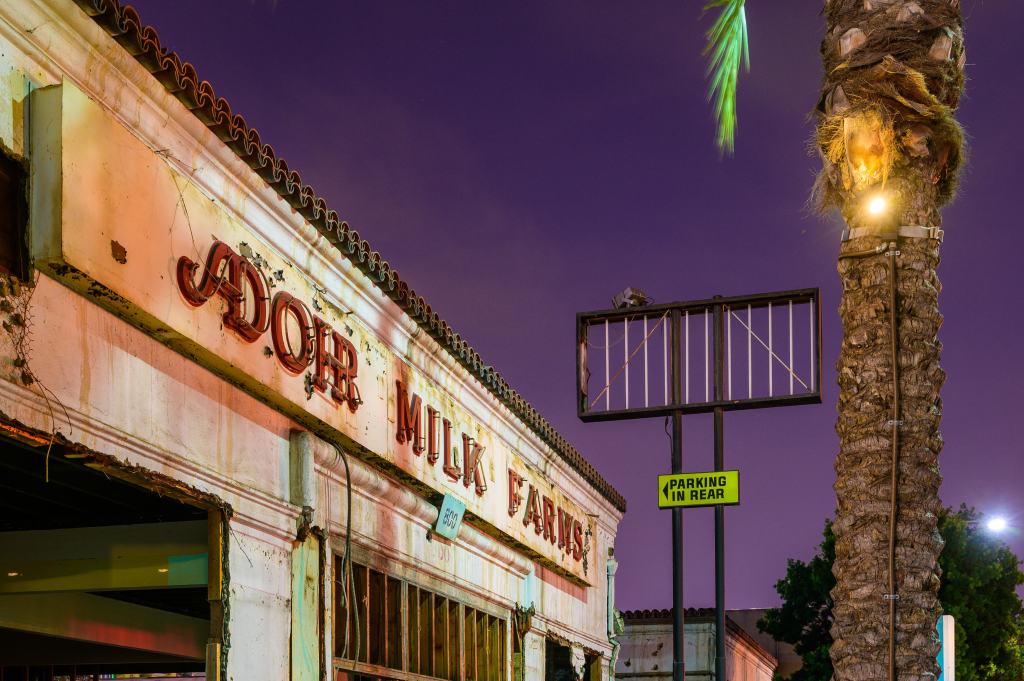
<point x="678" y="630"/>
<point x="633" y="305"/>
<point x="719" y="559"/>
<point x="719" y="510"/>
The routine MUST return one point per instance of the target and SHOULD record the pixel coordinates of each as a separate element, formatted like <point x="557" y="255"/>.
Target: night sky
<point x="518" y="162"/>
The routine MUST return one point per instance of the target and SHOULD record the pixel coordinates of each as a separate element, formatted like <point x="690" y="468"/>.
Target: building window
<point x="484" y="646"/>
<point x="390" y="629"/>
<point x="369" y="629"/>
<point x="13" y="218"/>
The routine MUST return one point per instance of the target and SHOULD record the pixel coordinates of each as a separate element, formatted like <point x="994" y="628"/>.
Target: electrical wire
<point x="625" y="365"/>
<point x="894" y="472"/>
<point x="880" y="248"/>
<point x="346" y="561"/>
<point x="891" y="596"/>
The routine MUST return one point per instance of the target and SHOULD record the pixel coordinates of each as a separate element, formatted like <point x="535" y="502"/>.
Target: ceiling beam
<point x="84" y="617"/>
<point x="144" y="556"/>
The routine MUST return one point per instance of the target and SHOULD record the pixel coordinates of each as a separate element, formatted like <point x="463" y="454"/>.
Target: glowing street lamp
<point x="992" y="524"/>
<point x="996" y="524"/>
<point x="877" y="205"/>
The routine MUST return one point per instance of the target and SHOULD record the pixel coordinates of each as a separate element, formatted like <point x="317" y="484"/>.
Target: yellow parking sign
<point x="718" y="488"/>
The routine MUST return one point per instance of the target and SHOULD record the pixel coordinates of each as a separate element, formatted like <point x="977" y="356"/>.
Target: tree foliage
<point x="726" y="49"/>
<point x="979" y="578"/>
<point x="980" y="575"/>
<point x="805" y="617"/>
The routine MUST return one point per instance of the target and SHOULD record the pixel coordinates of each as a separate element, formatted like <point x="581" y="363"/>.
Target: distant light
<point x="996" y="524"/>
<point x="13" y="574"/>
<point x="877" y="205"/>
<point x="161" y="569"/>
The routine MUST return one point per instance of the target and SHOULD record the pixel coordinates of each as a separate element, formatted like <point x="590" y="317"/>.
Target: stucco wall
<point x="647" y="653"/>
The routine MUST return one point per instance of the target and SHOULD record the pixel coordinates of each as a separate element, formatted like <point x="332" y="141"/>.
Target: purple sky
<point x="519" y="162"/>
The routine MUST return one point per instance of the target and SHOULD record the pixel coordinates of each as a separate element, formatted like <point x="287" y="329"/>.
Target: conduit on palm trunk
<point x="890" y="250"/>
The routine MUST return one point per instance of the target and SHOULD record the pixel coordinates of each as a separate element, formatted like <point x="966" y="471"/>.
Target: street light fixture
<point x="991" y="524"/>
<point x="877" y="205"/>
<point x="996" y="524"/>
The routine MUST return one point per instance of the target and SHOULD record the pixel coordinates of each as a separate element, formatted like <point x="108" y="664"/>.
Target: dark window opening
<point x="13" y="218"/>
<point x="557" y="662"/>
<point x="147" y="611"/>
<point x="406" y="628"/>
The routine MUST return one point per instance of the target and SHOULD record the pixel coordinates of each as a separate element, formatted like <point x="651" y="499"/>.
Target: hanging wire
<point x="606" y="390"/>
<point x="772" y="354"/>
<point x="346" y="561"/>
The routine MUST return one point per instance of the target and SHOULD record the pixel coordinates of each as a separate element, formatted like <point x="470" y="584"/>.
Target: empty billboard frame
<point x="653" y="360"/>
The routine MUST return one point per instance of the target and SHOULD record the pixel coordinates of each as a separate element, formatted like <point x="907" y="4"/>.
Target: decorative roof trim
<point x="665" y="614"/>
<point x="180" y="79"/>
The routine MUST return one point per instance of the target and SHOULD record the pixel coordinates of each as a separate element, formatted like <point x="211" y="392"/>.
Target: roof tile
<point x="180" y="79"/>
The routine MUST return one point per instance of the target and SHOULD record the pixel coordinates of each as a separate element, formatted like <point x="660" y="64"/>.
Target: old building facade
<point x="229" y="427"/>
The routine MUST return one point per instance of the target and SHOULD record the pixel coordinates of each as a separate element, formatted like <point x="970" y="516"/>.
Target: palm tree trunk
<point x="893" y="75"/>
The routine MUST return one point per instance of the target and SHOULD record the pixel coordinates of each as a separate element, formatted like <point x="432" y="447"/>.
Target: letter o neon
<point x="285" y="304"/>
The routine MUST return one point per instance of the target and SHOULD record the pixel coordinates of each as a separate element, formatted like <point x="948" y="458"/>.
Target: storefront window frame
<point x="496" y="625"/>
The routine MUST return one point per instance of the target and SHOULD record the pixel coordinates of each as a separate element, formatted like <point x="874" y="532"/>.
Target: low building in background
<point x="646" y="652"/>
<point x="789" y="661"/>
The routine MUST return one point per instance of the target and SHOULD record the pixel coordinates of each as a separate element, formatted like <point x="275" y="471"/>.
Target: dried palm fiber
<point x="896" y="101"/>
<point x="893" y="76"/>
<point x="880" y="59"/>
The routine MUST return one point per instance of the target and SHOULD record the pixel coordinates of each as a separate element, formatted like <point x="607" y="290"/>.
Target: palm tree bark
<point x="893" y="76"/>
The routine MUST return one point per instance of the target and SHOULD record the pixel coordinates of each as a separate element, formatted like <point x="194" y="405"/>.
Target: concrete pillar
<point x="306" y="627"/>
<point x="260" y="606"/>
<point x="533" y="656"/>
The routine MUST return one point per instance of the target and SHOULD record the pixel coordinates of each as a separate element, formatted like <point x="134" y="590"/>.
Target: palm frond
<point x="726" y="48"/>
